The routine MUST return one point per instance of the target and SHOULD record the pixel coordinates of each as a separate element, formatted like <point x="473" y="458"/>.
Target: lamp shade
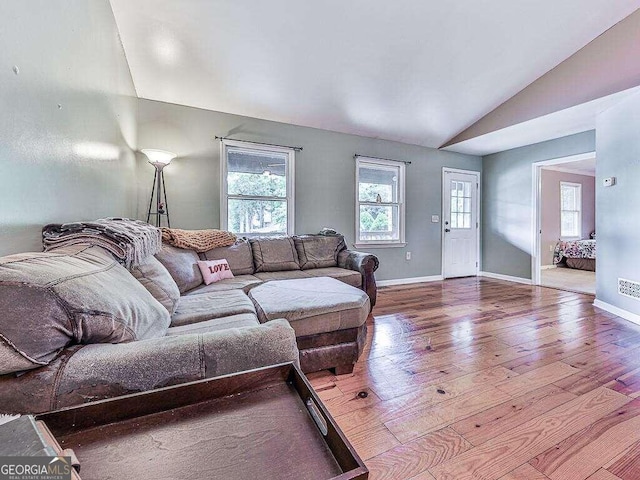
<point x="158" y="157"/>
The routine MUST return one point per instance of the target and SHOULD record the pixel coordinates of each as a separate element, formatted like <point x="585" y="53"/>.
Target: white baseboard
<point x="406" y="281"/>
<point x="508" y="278"/>
<point x="627" y="315"/>
<point x="438" y="278"/>
<point x="548" y="267"/>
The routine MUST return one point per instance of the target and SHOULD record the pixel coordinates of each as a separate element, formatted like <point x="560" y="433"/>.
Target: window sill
<point x="380" y="245"/>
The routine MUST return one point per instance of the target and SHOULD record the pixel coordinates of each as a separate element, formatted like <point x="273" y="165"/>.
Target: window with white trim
<point x="570" y="210"/>
<point x="257" y="189"/>
<point x="379" y="202"/>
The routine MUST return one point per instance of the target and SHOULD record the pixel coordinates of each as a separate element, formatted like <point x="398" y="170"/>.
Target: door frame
<point x="536" y="222"/>
<point x="477" y="174"/>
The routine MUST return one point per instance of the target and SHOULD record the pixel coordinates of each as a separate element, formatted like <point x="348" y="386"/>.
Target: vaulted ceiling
<point x="420" y="72"/>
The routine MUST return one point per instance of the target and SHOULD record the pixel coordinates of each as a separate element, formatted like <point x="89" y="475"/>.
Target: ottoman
<point x="328" y="316"/>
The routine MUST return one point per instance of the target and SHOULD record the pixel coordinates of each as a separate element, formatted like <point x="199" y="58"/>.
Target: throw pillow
<point x="214" y="270"/>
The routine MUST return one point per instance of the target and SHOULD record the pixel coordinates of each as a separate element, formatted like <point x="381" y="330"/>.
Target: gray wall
<point x="507" y="204"/>
<point x="325" y="177"/>
<point x="617" y="217"/>
<point x="550" y="209"/>
<point x="68" y="118"/>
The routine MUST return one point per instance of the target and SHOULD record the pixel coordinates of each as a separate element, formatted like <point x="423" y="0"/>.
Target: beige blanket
<point x="198" y="240"/>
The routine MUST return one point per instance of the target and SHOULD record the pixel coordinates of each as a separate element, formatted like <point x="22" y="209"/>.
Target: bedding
<point x="579" y="254"/>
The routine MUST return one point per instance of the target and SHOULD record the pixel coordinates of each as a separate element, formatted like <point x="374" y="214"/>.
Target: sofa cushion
<point x="274" y="254"/>
<point x="206" y="306"/>
<point x="239" y="256"/>
<point x="182" y="265"/>
<point x="73" y="295"/>
<point x="215" y="324"/>
<point x="156" y="278"/>
<point x="240" y="282"/>
<point x="318" y="251"/>
<point x="311" y="305"/>
<point x="347" y="276"/>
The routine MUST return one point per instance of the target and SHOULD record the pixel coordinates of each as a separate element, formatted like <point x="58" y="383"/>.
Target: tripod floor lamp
<point x="159" y="159"/>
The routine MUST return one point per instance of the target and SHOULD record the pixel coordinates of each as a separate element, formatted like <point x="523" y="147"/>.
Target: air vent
<point x="629" y="288"/>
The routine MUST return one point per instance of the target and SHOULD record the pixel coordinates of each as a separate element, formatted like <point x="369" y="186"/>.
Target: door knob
<point x="446" y="230"/>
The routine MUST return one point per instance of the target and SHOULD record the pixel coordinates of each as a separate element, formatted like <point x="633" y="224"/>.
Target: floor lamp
<point x="159" y="159"/>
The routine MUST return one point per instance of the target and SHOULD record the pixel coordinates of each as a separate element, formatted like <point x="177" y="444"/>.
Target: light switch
<point x="435" y="218"/>
<point x="609" y="181"/>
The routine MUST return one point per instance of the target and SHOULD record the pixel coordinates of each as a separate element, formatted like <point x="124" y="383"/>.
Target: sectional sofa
<point x="77" y="326"/>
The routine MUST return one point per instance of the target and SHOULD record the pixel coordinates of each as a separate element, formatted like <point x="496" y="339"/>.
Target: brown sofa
<point x="259" y="260"/>
<point x="276" y="258"/>
<point x="77" y="326"/>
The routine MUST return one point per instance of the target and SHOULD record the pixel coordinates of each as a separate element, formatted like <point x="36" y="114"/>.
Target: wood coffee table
<point x="262" y="424"/>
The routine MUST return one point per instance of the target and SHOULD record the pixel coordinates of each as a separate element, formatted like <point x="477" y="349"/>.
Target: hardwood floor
<point x="483" y="379"/>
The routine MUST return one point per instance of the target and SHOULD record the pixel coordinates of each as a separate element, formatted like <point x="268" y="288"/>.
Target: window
<point x="460" y="213"/>
<point x="379" y="202"/>
<point x="570" y="210"/>
<point x="257" y="189"/>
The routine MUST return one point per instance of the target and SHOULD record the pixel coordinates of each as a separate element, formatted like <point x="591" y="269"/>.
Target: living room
<point x="487" y="89"/>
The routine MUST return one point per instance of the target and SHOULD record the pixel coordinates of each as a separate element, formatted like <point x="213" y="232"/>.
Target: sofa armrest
<point x="100" y="371"/>
<point x="239" y="349"/>
<point x="366" y="264"/>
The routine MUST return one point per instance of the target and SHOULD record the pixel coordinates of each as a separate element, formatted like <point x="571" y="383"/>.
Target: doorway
<point x="460" y="223"/>
<point x="563" y="254"/>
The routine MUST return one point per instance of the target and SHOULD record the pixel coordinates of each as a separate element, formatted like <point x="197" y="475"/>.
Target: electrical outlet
<point x="407" y="256"/>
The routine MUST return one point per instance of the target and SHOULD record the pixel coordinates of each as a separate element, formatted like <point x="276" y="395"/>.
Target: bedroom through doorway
<point x="565" y="236"/>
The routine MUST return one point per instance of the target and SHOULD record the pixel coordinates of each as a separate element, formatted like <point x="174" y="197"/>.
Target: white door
<point x="460" y="223"/>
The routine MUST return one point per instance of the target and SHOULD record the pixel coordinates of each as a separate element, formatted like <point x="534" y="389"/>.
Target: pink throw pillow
<point x="214" y="270"/>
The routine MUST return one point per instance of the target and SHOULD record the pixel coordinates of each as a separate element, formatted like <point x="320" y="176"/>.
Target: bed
<point x="580" y="254"/>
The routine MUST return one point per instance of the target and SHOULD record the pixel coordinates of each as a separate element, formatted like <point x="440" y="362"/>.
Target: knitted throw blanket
<point x="130" y="241"/>
<point x="198" y="240"/>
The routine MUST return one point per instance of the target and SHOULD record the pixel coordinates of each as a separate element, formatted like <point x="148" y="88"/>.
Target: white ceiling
<point x="413" y="71"/>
